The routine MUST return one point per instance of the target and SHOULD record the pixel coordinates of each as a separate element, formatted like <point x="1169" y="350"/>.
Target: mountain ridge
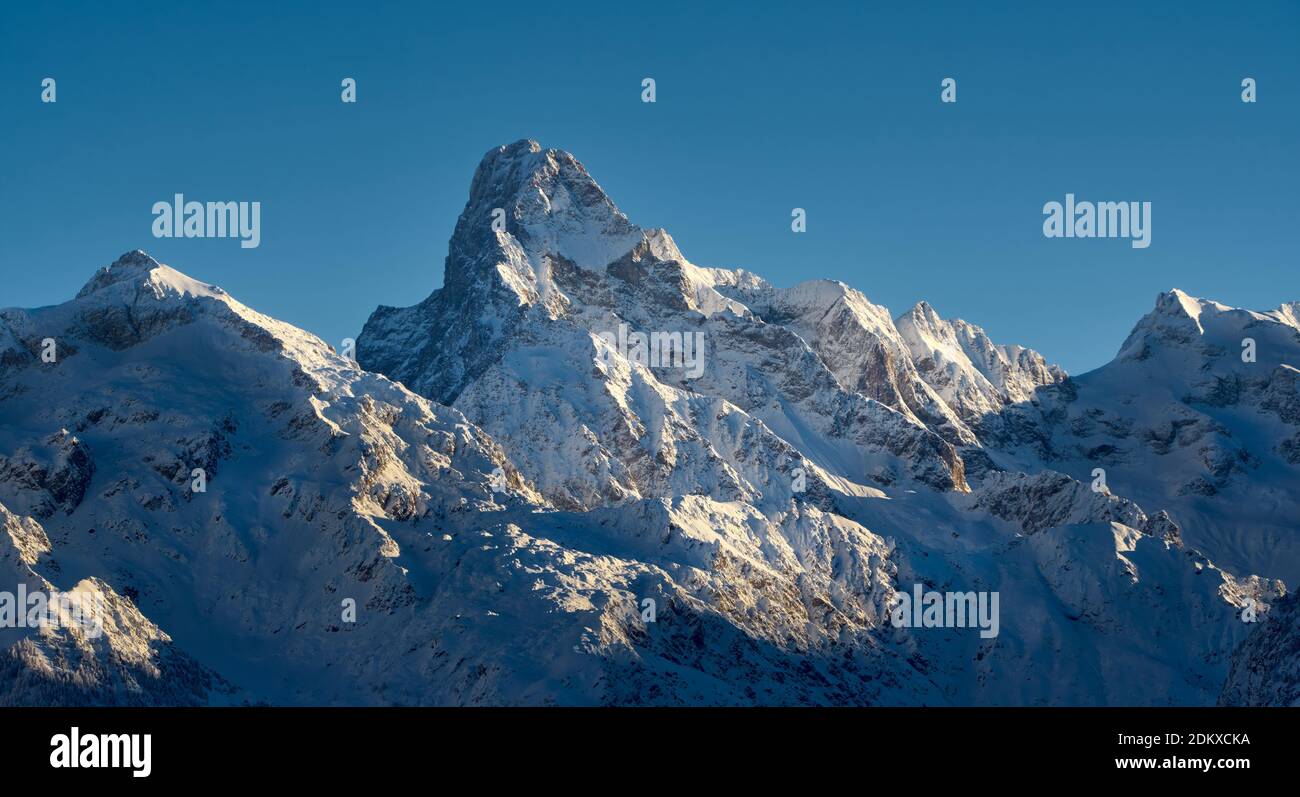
<point x="500" y="485"/>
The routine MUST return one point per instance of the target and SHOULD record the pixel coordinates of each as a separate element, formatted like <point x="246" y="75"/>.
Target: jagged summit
<point x="131" y="266"/>
<point x="974" y="375"/>
<point x="549" y="206"/>
<point x="134" y="259"/>
<point x="925" y="310"/>
<point x="538" y="182"/>
<point x="536" y="231"/>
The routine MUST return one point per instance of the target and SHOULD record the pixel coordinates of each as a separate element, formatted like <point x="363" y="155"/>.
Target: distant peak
<point x="1181" y="305"/>
<point x="1177" y="300"/>
<point x="138" y="270"/>
<point x="1175" y="320"/>
<point x="925" y="310"/>
<point x="136" y="259"/>
<point x="133" y="265"/>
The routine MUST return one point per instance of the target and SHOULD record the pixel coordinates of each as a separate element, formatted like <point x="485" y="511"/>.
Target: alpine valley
<point x="499" y="501"/>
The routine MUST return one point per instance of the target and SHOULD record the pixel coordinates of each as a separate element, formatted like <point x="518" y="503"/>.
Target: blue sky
<point x="761" y="107"/>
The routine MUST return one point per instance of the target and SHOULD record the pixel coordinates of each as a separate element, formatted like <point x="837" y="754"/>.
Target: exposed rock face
<point x="1266" y="668"/>
<point x="56" y="473"/>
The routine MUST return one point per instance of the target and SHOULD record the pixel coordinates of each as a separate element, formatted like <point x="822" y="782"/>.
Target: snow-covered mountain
<point x="326" y="484"/>
<point x="904" y="425"/>
<point x="1198" y="414"/>
<point x="592" y="472"/>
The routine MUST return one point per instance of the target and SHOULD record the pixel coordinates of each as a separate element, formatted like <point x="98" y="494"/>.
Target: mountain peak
<point x="923" y="311"/>
<point x="542" y="201"/>
<point x="1180" y="303"/>
<point x="968" y="370"/>
<point x="137" y="270"/>
<point x="536" y="182"/>
<point x="1178" y="319"/>
<point x="136" y="258"/>
<point x="521" y="146"/>
<point x="132" y="265"/>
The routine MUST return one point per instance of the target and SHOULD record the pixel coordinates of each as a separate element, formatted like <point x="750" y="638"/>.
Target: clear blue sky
<point x="762" y="107"/>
